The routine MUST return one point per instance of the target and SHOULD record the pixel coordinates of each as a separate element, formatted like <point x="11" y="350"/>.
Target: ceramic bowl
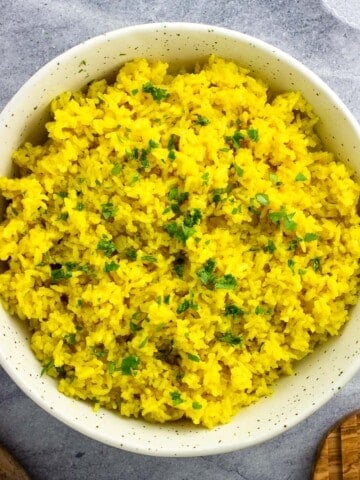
<point x="319" y="376"/>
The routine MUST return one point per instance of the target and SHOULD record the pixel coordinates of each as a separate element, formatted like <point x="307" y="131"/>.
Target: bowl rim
<point x="259" y="44"/>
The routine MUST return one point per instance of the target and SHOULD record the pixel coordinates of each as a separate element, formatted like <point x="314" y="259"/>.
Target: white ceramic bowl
<point x="319" y="376"/>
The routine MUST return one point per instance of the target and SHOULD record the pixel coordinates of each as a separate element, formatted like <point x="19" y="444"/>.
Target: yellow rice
<point x="178" y="242"/>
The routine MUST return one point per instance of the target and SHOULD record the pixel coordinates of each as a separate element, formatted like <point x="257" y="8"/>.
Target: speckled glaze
<point x="319" y="376"/>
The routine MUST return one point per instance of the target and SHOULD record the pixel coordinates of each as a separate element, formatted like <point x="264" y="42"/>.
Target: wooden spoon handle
<point x="10" y="469"/>
<point x="338" y="457"/>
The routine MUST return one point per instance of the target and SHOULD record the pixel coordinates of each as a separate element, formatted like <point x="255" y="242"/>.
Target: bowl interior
<point x="320" y="375"/>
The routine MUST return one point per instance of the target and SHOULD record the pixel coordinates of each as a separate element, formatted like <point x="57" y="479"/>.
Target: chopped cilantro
<point x="149" y="259"/>
<point x="179" y="232"/>
<point x="315" y="263"/>
<point x="172" y="155"/>
<point x="239" y="171"/>
<point x="153" y="144"/>
<point x="291" y="265"/>
<point x="112" y="367"/>
<point x="133" y="155"/>
<point x="262" y="198"/>
<point x="70" y="338"/>
<point x="205" y="178"/>
<point x="106" y="245"/>
<point x="47" y="367"/>
<point x="206" y="273"/>
<point x="143" y="343"/>
<point x="233" y="311"/>
<point x="176" y="398"/>
<point x="227" y="282"/>
<point x="131" y="253"/>
<point x="301" y="271"/>
<point x="79" y="207"/>
<point x="60" y="274"/>
<point x="108" y="210"/>
<point x="287" y="218"/>
<point x="144" y="161"/>
<point x="193" y="218"/>
<point x="79" y="302"/>
<point x="186" y="305"/>
<point x="253" y="134"/>
<point x="270" y="247"/>
<point x="63" y="216"/>
<point x="166" y="299"/>
<point x="129" y="365"/>
<point x="202" y="121"/>
<point x="196" y="406"/>
<point x="62" y="194"/>
<point x="259" y="310"/>
<point x="111" y="267"/>
<point x="116" y="169"/>
<point x="157" y="93"/>
<point x="135" y="327"/>
<point x="235" y="140"/>
<point x="193" y="358"/>
<point x="300" y="177"/>
<point x="134" y="91"/>
<point x="293" y="244"/>
<point x="99" y="352"/>
<point x="274" y="179"/>
<point x="310" y="237"/>
<point x="231" y="339"/>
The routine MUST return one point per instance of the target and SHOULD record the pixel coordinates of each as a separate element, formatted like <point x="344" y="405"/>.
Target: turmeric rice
<point x="179" y="241"/>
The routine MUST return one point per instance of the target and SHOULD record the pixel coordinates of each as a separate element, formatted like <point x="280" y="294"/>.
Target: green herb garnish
<point x="231" y="339"/>
<point x="131" y="253"/>
<point x="233" y="311"/>
<point x="253" y="134"/>
<point x="262" y="198"/>
<point x="235" y="139"/>
<point x="227" y="282"/>
<point x="193" y="358"/>
<point x="196" y="406"/>
<point x="60" y="274"/>
<point x="157" y="93"/>
<point x="129" y="365"/>
<point x="202" y="121"/>
<point x="206" y="273"/>
<point x="70" y="338"/>
<point x="310" y="237"/>
<point x="270" y="247"/>
<point x="46" y="367"/>
<point x="300" y="177"/>
<point x="315" y="263"/>
<point x="106" y="245"/>
<point x="149" y="259"/>
<point x="111" y="267"/>
<point x="176" y="398"/>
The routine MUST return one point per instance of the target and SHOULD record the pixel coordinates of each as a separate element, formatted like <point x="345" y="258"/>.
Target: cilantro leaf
<point x="157" y="93"/>
<point x="176" y="398"/>
<point x="231" y="339"/>
<point x="129" y="365"/>
<point x="108" y="210"/>
<point x="227" y="282"/>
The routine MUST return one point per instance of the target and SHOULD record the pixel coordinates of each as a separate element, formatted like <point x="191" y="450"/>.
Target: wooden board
<point x="10" y="468"/>
<point x="338" y="457"/>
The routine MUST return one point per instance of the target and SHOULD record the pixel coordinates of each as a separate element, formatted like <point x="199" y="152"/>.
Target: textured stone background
<point x="33" y="32"/>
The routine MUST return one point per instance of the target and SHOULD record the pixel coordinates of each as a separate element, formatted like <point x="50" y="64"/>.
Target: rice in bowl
<point x="178" y="242"/>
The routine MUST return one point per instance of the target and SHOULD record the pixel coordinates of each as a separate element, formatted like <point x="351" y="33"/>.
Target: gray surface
<point x="33" y="32"/>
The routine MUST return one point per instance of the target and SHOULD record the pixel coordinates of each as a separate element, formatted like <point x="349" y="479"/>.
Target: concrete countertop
<point x="34" y="31"/>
